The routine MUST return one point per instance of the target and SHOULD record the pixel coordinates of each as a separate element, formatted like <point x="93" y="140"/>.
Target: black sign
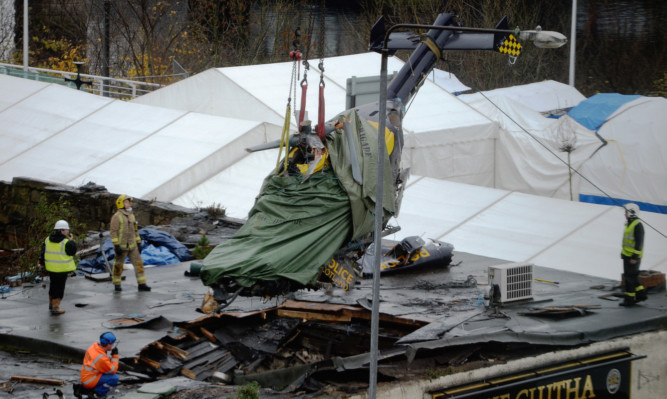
<point x="604" y="376"/>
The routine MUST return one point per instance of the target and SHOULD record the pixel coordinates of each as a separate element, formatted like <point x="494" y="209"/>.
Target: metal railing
<point x="124" y="89"/>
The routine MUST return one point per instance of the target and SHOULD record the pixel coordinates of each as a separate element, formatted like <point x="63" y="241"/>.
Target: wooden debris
<point x="173" y="350"/>
<point x="36" y="380"/>
<point x="150" y="362"/>
<point x="208" y="334"/>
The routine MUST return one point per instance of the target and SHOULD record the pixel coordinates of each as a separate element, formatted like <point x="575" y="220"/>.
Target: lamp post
<point x="78" y="82"/>
<point x="542" y="39"/>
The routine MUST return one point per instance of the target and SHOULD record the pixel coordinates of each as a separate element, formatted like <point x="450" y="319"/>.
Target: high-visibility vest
<point x="629" y="240"/>
<point x="95" y="364"/>
<point x="56" y="259"/>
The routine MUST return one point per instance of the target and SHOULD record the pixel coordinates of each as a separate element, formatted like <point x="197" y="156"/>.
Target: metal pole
<point x="377" y="233"/>
<point x="25" y="35"/>
<point x="573" y="38"/>
<point x="107" y="33"/>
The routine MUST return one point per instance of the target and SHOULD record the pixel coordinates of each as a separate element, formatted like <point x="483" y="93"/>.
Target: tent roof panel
<point x="90" y="142"/>
<point x="16" y="89"/>
<point x="544" y="96"/>
<point x="193" y="147"/>
<point x="235" y="187"/>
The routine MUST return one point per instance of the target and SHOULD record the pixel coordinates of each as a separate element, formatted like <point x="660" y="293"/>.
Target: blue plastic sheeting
<point x="644" y="206"/>
<point x="159" y="248"/>
<point x="153" y="255"/>
<point x="162" y="239"/>
<point x="594" y="111"/>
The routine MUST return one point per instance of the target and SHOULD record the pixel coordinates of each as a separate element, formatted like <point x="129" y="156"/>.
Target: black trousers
<point x="631" y="273"/>
<point x="57" y="285"/>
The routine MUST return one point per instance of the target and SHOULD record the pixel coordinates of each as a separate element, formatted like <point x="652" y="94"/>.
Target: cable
<point x="565" y="163"/>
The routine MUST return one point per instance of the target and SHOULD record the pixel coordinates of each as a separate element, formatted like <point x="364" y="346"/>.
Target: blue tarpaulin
<point x="594" y="111"/>
<point x="159" y="248"/>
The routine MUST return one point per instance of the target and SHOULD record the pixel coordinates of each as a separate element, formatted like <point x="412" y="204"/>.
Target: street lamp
<point x="456" y="41"/>
<point x="78" y="81"/>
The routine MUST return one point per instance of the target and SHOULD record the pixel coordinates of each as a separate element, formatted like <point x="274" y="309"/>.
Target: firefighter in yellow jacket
<point x="126" y="242"/>
<point x="57" y="256"/>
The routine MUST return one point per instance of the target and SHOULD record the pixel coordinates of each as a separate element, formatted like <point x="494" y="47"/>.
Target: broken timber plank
<point x="188" y="373"/>
<point x="313" y="315"/>
<point x="172" y="350"/>
<point x="208" y="334"/>
<point x="150" y="362"/>
<point x="36" y="380"/>
<point x="201" y="349"/>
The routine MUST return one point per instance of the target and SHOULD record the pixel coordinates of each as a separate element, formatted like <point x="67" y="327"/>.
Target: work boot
<point x="55" y="307"/>
<point x="641" y="295"/>
<point x="117" y="288"/>
<point x="144" y="287"/>
<point x="77" y="390"/>
<point x="627" y="302"/>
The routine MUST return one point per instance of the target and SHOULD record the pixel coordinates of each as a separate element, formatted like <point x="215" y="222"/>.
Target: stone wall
<point x="92" y="206"/>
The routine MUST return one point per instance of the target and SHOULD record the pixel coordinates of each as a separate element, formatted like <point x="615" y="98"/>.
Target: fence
<point x="110" y="87"/>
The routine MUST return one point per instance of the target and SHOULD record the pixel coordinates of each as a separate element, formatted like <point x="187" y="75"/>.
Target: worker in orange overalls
<point x="98" y="372"/>
<point x="126" y="241"/>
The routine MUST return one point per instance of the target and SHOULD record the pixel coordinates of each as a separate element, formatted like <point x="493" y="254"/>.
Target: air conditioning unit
<point x="514" y="281"/>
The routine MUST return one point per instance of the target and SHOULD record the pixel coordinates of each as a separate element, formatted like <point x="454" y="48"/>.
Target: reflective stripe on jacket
<point x="629" y="242"/>
<point x="95" y="363"/>
<point x="123" y="229"/>
<point x="56" y="259"/>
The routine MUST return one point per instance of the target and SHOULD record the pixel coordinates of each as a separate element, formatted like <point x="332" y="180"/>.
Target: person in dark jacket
<point x="57" y="256"/>
<point x="631" y="253"/>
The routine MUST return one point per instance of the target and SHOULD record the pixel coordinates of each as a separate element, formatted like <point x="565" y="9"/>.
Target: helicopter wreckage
<point x="312" y="222"/>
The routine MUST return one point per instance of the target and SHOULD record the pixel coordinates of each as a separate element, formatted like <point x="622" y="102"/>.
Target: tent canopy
<point x="70" y="137"/>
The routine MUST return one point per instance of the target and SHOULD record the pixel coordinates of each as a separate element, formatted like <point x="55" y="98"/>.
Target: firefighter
<point x="631" y="253"/>
<point x="57" y="256"/>
<point x="126" y="242"/>
<point x="99" y="369"/>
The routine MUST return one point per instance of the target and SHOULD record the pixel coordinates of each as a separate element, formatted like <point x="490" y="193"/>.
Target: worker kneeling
<point x="99" y="369"/>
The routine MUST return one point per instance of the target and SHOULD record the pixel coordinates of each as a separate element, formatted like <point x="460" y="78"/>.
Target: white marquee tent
<point x="528" y="154"/>
<point x="444" y="138"/>
<point x="633" y="163"/>
<point x="544" y="96"/>
<point x="54" y="133"/>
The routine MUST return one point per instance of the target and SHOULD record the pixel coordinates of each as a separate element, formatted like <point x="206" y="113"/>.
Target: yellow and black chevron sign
<point x="510" y="46"/>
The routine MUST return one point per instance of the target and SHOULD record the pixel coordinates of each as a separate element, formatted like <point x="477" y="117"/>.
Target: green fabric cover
<point x="296" y="226"/>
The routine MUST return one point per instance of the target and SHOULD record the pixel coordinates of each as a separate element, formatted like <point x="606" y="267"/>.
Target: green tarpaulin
<point x="296" y="226"/>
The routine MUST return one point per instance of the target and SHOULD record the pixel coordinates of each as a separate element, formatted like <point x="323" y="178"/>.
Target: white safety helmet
<point x="61" y="225"/>
<point x="632" y="209"/>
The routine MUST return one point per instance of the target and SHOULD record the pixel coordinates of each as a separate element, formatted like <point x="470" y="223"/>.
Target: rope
<point x="565" y="163"/>
<point x="428" y="41"/>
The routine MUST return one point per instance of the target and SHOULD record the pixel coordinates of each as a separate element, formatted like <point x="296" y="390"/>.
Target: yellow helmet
<point x="120" y="200"/>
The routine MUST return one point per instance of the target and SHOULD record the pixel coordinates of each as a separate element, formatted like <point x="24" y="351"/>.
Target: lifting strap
<point x="304" y="89"/>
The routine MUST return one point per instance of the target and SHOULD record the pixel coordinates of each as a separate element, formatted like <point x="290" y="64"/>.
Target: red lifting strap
<point x="320" y="114"/>
<point x="304" y="89"/>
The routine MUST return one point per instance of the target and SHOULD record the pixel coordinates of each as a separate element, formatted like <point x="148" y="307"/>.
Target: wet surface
<point x="53" y="346"/>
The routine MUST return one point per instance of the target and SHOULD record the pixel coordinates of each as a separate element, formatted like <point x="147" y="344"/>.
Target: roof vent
<point x="511" y="282"/>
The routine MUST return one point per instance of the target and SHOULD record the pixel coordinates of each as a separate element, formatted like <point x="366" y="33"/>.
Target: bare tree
<point x="566" y="137"/>
<point x="6" y="29"/>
